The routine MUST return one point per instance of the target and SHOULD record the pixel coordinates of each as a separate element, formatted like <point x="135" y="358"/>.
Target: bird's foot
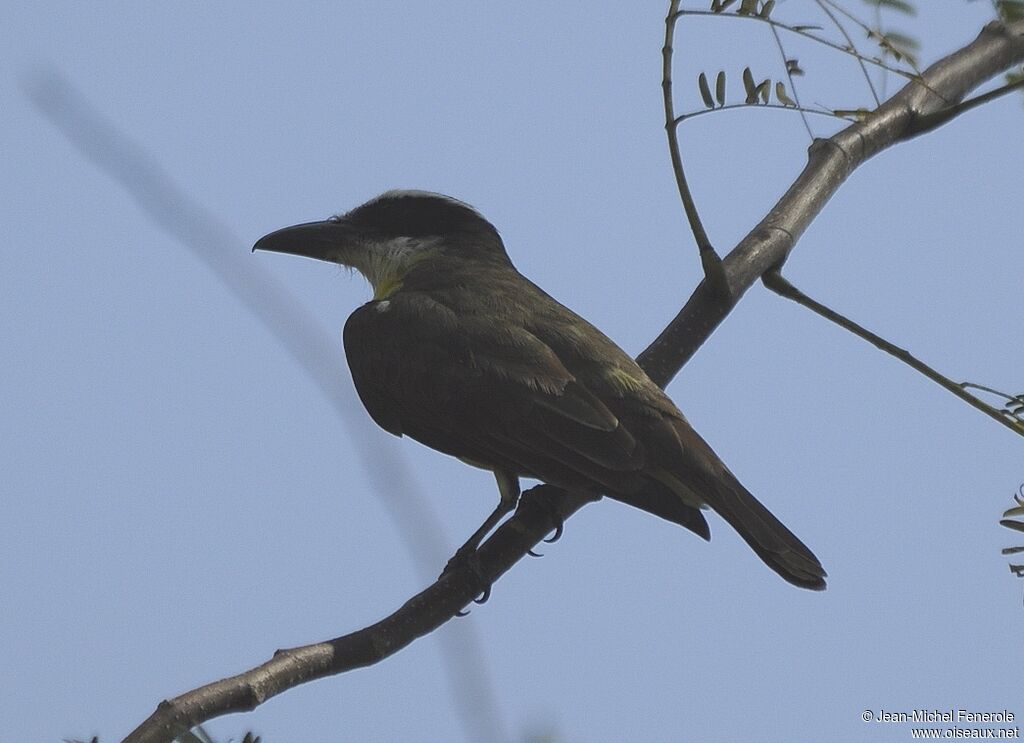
<point x="557" y="522"/>
<point x="467" y="557"/>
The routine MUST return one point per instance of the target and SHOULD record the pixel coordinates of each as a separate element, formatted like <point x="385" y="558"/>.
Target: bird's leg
<point x="508" y="489"/>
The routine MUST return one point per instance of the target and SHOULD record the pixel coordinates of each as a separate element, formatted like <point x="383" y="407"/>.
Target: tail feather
<point x="780" y="548"/>
<point x="701" y="474"/>
<point x="670" y="498"/>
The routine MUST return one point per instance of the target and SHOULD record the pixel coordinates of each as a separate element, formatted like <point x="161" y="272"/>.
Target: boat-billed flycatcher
<point x="461" y="352"/>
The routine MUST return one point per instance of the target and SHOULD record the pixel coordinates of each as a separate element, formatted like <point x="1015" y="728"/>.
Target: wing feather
<point x="447" y="381"/>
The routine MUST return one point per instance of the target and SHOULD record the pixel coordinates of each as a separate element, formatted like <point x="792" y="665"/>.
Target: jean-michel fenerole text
<point x="944" y="715"/>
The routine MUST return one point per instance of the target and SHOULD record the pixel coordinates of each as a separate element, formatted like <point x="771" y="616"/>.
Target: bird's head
<point x="393" y="233"/>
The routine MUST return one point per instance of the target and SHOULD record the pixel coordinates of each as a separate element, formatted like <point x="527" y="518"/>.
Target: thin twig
<point x="781" y="286"/>
<point x="778" y="106"/>
<point x="868" y="30"/>
<point x="807" y="35"/>
<point x="927" y="122"/>
<point x="709" y="259"/>
<point x="792" y="81"/>
<point x="991" y="391"/>
<point x="849" y="40"/>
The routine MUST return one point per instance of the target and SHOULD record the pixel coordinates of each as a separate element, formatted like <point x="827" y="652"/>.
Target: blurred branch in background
<point x="228" y="257"/>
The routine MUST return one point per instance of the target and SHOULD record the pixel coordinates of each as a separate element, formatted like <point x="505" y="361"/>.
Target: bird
<point x="461" y="352"/>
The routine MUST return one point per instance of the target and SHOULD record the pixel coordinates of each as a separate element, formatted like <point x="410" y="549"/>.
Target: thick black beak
<point x="329" y="241"/>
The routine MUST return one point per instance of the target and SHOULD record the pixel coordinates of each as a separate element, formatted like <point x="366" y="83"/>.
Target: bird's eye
<point x="334" y="219"/>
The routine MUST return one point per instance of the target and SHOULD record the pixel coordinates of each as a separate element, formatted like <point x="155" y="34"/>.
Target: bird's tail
<point x="780" y="548"/>
<point x="718" y="488"/>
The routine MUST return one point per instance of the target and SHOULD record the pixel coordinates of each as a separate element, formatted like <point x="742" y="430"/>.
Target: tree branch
<point x="708" y="257"/>
<point x="831" y="161"/>
<point x="420" y="615"/>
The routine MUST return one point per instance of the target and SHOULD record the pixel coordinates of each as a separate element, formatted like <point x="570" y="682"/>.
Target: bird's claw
<point x="558" y="523"/>
<point x="470" y="560"/>
<point x="559" y="528"/>
<point x="482" y="598"/>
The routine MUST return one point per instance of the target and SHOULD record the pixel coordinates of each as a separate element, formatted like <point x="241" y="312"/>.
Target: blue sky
<point x="180" y="498"/>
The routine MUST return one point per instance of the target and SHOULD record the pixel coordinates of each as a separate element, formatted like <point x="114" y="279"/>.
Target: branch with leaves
<point x="1017" y="526"/>
<point x="757" y="94"/>
<point x="899" y="47"/>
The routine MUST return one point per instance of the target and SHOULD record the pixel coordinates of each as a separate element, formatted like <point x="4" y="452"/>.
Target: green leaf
<point x="705" y="91"/>
<point x="747" y="7"/>
<point x="1010" y="11"/>
<point x="900" y="6"/>
<point x="785" y="100"/>
<point x="900" y="46"/>
<point x="749" y="86"/>
<point x="903" y="41"/>
<point x="764" y="90"/>
<point x="1013" y="78"/>
<point x="857" y="113"/>
<point x="720" y="88"/>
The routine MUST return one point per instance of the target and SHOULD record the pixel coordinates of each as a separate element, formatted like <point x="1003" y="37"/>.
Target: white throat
<point x="385" y="264"/>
